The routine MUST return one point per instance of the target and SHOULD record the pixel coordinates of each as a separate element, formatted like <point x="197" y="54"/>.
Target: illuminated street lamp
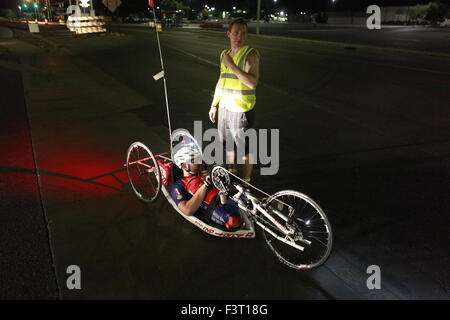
<point x="36" y="6"/>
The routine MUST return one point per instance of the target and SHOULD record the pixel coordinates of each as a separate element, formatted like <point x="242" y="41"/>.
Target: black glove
<point x="207" y="182"/>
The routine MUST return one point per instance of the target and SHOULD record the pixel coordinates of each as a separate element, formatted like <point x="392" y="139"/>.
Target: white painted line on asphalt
<point x="406" y="30"/>
<point x="374" y="63"/>
<point x="194" y="56"/>
<point x="411" y="40"/>
<point x="409" y="68"/>
<point x="306" y="30"/>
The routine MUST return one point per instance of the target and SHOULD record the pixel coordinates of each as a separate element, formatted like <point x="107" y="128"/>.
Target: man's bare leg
<point x="248" y="167"/>
<point x="231" y="162"/>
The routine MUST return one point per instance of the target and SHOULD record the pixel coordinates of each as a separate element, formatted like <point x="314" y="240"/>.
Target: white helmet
<point x="187" y="155"/>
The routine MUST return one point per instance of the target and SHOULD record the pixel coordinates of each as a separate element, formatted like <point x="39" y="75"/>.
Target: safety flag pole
<point x="161" y="74"/>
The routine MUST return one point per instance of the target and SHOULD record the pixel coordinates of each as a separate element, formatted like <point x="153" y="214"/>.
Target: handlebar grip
<point x="238" y="187"/>
<point x="245" y="192"/>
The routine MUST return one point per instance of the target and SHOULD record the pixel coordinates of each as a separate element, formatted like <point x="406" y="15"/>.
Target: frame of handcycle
<point x="249" y="215"/>
<point x="247" y="232"/>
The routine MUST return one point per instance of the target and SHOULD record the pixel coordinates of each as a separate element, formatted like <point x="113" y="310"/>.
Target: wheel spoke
<point x="291" y="210"/>
<point x="151" y="184"/>
<point x="302" y="208"/>
<point x="146" y="165"/>
<point x="311" y="219"/>
<point x="319" y="240"/>
<point x="318" y="232"/>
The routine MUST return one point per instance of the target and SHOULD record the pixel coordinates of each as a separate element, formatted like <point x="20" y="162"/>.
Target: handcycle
<point x="294" y="226"/>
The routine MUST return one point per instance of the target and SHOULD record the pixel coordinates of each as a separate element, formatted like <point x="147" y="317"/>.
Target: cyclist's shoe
<point x="234" y="223"/>
<point x="247" y="202"/>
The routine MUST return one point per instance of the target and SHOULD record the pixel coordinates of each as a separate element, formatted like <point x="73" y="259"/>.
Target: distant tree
<point x="418" y="12"/>
<point x="204" y="14"/>
<point x="171" y="5"/>
<point x="50" y="12"/>
<point x="437" y="12"/>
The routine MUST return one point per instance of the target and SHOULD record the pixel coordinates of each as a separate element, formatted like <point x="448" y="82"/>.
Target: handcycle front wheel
<point x="143" y="172"/>
<point x="308" y="225"/>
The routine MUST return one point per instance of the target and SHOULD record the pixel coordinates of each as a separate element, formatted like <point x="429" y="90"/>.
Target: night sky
<point x="286" y="5"/>
<point x="296" y="5"/>
<point x="307" y="4"/>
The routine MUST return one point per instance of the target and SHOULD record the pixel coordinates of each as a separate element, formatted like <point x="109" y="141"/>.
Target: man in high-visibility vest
<point x="235" y="95"/>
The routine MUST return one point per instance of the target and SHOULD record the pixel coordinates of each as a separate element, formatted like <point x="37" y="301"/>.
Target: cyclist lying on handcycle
<point x="195" y="195"/>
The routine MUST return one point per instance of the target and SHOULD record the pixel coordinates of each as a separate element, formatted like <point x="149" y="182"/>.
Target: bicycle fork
<point x="278" y="225"/>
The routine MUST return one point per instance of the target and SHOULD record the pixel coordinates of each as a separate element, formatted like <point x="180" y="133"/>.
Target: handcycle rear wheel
<point x="310" y="229"/>
<point x="143" y="172"/>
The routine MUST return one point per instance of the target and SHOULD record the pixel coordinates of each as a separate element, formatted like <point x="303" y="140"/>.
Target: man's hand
<point x="250" y="77"/>
<point x="207" y="182"/>
<point x="213" y="114"/>
<point x="228" y="61"/>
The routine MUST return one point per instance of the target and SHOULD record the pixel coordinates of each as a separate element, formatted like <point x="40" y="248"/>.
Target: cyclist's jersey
<point x="225" y="215"/>
<point x="184" y="189"/>
<point x="178" y="193"/>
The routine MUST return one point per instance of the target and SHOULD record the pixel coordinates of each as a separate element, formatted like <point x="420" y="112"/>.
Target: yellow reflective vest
<point x="231" y="92"/>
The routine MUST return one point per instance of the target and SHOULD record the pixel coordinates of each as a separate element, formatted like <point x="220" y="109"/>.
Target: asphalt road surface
<point x="419" y="38"/>
<point x="25" y="250"/>
<point x="423" y="38"/>
<point x="363" y="131"/>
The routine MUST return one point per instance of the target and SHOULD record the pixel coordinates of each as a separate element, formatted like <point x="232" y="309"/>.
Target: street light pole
<point x="258" y="16"/>
<point x="92" y="12"/>
<point x="48" y="10"/>
<point x="35" y="12"/>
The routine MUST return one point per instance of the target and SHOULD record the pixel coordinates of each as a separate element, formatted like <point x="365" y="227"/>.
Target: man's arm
<point x="213" y="109"/>
<point x="250" y="77"/>
<point x="191" y="206"/>
<point x="217" y="91"/>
